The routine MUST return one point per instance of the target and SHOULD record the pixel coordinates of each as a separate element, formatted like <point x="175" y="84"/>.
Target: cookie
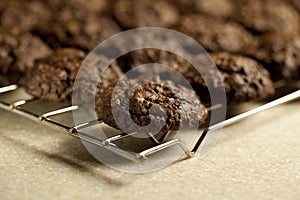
<point x="150" y="107"/>
<point x="267" y="16"/>
<point x="19" y="51"/>
<point x="93" y="6"/>
<point x="295" y="4"/>
<point x="77" y="24"/>
<point x="85" y="33"/>
<point x="52" y="78"/>
<point x="25" y="15"/>
<point x="7" y="45"/>
<point x="279" y="53"/>
<point x="216" y="34"/>
<point x="133" y="14"/>
<point x="244" y="79"/>
<point x="80" y="6"/>
<point x="213" y="8"/>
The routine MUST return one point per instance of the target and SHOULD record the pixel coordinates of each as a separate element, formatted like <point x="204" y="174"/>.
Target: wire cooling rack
<point x="59" y="116"/>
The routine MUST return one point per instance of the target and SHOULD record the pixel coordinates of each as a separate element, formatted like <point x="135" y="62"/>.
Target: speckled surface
<point x="257" y="158"/>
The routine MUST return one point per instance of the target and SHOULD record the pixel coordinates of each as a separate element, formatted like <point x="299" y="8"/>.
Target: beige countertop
<point x="257" y="158"/>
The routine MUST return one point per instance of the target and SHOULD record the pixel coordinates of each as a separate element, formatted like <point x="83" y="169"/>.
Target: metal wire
<point x="109" y="143"/>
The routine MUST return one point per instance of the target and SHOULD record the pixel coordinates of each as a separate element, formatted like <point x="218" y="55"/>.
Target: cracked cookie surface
<point x="138" y="107"/>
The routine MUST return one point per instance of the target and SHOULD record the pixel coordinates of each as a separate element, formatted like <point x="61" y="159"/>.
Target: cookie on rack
<point x="295" y="4"/>
<point x="137" y="106"/>
<point x="134" y="14"/>
<point x="52" y="78"/>
<point x="213" y="8"/>
<point x="18" y="51"/>
<point x="244" y="79"/>
<point x="84" y="30"/>
<point x="216" y="34"/>
<point x="267" y="16"/>
<point x="25" y="15"/>
<point x="93" y="6"/>
<point x="279" y="53"/>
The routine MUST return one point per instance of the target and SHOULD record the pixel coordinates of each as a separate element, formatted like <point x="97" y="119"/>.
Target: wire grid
<point x="18" y="105"/>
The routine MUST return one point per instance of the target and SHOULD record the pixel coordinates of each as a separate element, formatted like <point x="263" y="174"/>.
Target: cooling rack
<point x="58" y="115"/>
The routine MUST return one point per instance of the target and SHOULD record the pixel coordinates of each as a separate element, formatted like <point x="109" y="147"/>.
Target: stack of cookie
<point x="253" y="43"/>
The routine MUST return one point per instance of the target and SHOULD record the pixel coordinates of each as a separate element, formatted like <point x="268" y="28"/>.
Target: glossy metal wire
<point x="109" y="143"/>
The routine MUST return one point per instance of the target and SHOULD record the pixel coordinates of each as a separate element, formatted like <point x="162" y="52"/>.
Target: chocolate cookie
<point x="19" y="51"/>
<point x="213" y="8"/>
<point x="76" y="9"/>
<point x="267" y="16"/>
<point x="7" y="45"/>
<point x="216" y="34"/>
<point x="243" y="78"/>
<point x="85" y="33"/>
<point x="295" y="4"/>
<point x="133" y="14"/>
<point x="279" y="54"/>
<point x="150" y="107"/>
<point x="26" y="15"/>
<point x="93" y="6"/>
<point x="53" y="77"/>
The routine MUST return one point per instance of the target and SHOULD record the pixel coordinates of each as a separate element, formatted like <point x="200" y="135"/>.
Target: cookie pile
<point x="253" y="43"/>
